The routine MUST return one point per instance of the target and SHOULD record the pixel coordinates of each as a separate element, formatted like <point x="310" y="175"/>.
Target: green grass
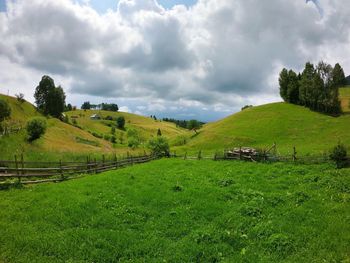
<point x="286" y="124"/>
<point x="182" y="211"/>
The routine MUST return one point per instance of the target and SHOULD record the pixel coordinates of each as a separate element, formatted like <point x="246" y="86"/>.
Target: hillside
<point x="286" y="124"/>
<point x="145" y="126"/>
<point x="344" y="96"/>
<point x="68" y="142"/>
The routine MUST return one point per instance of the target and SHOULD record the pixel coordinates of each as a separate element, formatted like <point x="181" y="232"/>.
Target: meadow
<point x="183" y="211"/>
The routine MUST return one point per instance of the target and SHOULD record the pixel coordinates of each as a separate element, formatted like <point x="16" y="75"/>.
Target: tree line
<point x="316" y="88"/>
<point x="103" y="106"/>
<point x="190" y="125"/>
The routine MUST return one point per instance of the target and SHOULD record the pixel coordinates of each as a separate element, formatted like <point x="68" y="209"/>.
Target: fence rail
<point x="60" y="171"/>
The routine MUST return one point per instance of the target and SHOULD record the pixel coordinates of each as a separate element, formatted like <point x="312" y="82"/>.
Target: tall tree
<point x="293" y="88"/>
<point x="306" y="84"/>
<point x="48" y="98"/>
<point x="338" y="76"/>
<point x="86" y="105"/>
<point x="283" y="81"/>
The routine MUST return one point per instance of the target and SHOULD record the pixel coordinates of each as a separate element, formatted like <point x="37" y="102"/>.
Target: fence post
<point x="61" y="171"/>
<point x="103" y="160"/>
<point x="22" y="164"/>
<point x="215" y="156"/>
<point x="240" y="152"/>
<point x="17" y="172"/>
<point x="87" y="165"/>
<point x="116" y="161"/>
<point x="95" y="165"/>
<point x="200" y="154"/>
<point x="294" y="154"/>
<point x="185" y="156"/>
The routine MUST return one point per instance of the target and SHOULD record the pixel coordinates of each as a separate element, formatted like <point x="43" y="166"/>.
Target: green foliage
<point x="20" y="97"/>
<point x="113" y="139"/>
<point x="316" y="88"/>
<point x="120" y="122"/>
<point x="113" y="130"/>
<point x="109" y="107"/>
<point x="176" y="211"/>
<point x="159" y="146"/>
<point x="49" y="99"/>
<point x="134" y="140"/>
<point x="36" y="127"/>
<point x="193" y="124"/>
<point x="86" y="105"/>
<point x="5" y="110"/>
<point x="338" y="155"/>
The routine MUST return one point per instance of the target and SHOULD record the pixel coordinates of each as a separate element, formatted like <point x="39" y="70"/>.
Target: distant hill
<point x="286" y="124"/>
<point x="65" y="141"/>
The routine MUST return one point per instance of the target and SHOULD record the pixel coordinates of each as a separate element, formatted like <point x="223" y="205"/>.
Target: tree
<point x="306" y="84"/>
<point x="36" y="127"/>
<point x="86" y="105"/>
<point x="49" y="99"/>
<point x="338" y="76"/>
<point x="120" y="122"/>
<point x="283" y="81"/>
<point x="5" y="110"/>
<point x="159" y="146"/>
<point x="109" y="107"/>
<point x="193" y="125"/>
<point x="292" y="88"/>
<point x="20" y="97"/>
<point x="68" y="107"/>
<point x="159" y="132"/>
<point x="338" y="155"/>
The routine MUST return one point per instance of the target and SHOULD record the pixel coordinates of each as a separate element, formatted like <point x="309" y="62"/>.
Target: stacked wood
<point x="245" y="151"/>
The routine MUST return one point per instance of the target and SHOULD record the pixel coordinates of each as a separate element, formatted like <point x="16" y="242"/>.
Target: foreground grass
<point x="182" y="211"/>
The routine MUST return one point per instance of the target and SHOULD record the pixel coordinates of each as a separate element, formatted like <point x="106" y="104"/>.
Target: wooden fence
<point x="39" y="172"/>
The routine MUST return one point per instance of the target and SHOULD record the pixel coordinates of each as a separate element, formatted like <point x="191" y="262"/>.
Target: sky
<point x="183" y="59"/>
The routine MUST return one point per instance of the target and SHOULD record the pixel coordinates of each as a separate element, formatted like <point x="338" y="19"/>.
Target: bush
<point x="36" y="127"/>
<point x="113" y="139"/>
<point x="159" y="146"/>
<point x="5" y="110"/>
<point x="133" y="142"/>
<point x="108" y="118"/>
<point x="107" y="137"/>
<point x="339" y="155"/>
<point x="120" y="122"/>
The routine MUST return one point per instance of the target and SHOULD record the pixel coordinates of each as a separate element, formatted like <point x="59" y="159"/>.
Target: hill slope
<point x="68" y="142"/>
<point x="286" y="124"/>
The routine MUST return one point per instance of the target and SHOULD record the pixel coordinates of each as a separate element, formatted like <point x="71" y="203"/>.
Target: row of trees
<point x="103" y="106"/>
<point x="316" y="87"/>
<point x="191" y="124"/>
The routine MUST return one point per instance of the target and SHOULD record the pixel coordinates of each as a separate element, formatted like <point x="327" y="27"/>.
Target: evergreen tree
<point x="283" y="81"/>
<point x="293" y="88"/>
<point x="306" y="84"/>
<point x="338" y="76"/>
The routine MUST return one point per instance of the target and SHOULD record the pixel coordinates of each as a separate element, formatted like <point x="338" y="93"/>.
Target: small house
<point x="95" y="117"/>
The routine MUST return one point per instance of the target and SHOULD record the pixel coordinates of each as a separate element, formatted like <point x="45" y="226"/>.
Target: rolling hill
<point x="67" y="142"/>
<point x="286" y="124"/>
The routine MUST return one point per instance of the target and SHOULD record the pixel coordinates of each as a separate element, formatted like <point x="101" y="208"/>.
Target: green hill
<point x="67" y="142"/>
<point x="286" y="124"/>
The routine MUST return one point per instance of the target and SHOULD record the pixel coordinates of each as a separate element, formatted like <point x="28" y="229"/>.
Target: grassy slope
<point x="147" y="127"/>
<point x="344" y="94"/>
<point x="182" y="211"/>
<point x="59" y="138"/>
<point x="285" y="124"/>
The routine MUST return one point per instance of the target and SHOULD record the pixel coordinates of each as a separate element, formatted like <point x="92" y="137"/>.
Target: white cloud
<point x="124" y="109"/>
<point x="218" y="54"/>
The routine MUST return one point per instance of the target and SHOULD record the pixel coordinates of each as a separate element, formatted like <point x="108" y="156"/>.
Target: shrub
<point x="338" y="155"/>
<point x="107" y="137"/>
<point x="36" y="127"/>
<point x="97" y="135"/>
<point x="5" y="110"/>
<point x="108" y="118"/>
<point x="120" y="122"/>
<point x="159" y="146"/>
<point x="113" y="130"/>
<point x="133" y="142"/>
<point x="113" y="139"/>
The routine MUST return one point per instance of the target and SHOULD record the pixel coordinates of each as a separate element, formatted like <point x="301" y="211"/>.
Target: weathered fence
<point x="38" y="172"/>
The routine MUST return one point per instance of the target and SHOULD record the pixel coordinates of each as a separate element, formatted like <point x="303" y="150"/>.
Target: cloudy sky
<point x="186" y="59"/>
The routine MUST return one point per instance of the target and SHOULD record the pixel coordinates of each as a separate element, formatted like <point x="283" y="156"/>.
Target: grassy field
<point x="286" y="124"/>
<point x="182" y="211"/>
<point x="344" y="94"/>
